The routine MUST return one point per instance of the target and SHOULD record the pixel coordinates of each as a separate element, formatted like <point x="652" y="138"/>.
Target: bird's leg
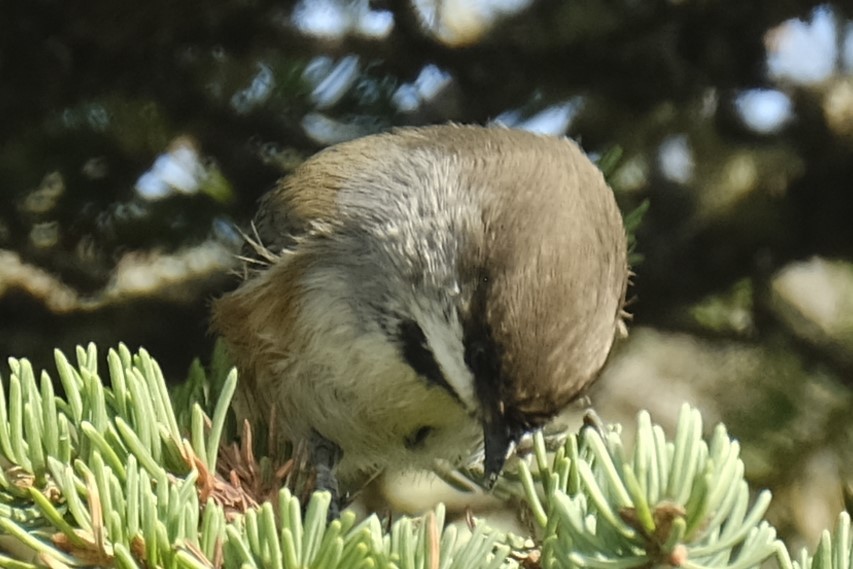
<point x="325" y="456"/>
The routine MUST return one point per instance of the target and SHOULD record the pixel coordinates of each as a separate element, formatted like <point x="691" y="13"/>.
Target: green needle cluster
<point x="665" y="503"/>
<point x="108" y="474"/>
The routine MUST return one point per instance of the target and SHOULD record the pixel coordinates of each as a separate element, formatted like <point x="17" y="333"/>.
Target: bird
<point x="414" y="295"/>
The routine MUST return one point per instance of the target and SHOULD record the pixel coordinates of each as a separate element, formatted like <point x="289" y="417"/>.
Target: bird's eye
<point x="476" y="356"/>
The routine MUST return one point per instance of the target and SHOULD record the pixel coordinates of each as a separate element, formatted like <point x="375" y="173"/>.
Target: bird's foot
<point x="325" y="456"/>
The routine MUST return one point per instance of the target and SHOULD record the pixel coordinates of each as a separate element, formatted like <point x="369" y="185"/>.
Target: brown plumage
<point x="428" y="287"/>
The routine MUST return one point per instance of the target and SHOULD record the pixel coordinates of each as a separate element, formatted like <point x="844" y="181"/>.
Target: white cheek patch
<point x="445" y="341"/>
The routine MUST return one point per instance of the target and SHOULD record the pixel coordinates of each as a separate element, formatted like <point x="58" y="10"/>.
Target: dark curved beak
<point x="499" y="432"/>
<point x="497" y="437"/>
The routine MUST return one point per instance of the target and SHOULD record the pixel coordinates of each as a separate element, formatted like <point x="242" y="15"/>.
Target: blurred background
<point x="134" y="135"/>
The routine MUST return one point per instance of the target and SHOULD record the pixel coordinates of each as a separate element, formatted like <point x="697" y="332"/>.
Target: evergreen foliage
<point x="124" y="474"/>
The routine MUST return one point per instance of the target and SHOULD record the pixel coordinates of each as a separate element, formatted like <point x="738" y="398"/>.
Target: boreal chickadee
<point x="425" y="290"/>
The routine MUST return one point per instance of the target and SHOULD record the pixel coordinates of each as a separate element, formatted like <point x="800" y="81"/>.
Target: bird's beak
<point x="497" y="437"/>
